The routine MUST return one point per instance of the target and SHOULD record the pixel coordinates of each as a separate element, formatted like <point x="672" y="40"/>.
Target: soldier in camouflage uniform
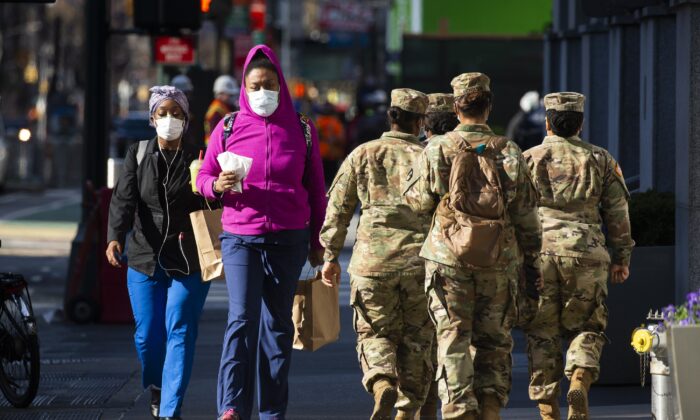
<point x="394" y="332"/>
<point x="580" y="188"/>
<point x="470" y="305"/>
<point x="440" y="118"/>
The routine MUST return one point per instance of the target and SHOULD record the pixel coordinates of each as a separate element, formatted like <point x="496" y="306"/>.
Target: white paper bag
<point x="239" y="165"/>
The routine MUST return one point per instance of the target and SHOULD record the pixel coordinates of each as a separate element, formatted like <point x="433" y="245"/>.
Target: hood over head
<point x="285" y="111"/>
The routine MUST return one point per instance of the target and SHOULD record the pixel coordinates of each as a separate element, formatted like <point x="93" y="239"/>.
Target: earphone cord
<point x="167" y="217"/>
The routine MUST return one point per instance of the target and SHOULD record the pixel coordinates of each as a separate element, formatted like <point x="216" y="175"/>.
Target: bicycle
<point x="19" y="342"/>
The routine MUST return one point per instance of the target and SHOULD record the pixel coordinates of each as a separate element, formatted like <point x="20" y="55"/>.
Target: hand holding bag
<point x="206" y="225"/>
<point x="315" y="314"/>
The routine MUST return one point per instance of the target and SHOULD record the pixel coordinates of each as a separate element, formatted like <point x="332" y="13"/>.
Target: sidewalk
<point x="91" y="372"/>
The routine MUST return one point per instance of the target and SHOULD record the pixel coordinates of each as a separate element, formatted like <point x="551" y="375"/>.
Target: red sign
<point x="174" y="50"/>
<point x="258" y="10"/>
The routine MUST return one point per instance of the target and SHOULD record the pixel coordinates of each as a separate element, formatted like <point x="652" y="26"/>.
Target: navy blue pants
<point x="261" y="275"/>
<point x="166" y="310"/>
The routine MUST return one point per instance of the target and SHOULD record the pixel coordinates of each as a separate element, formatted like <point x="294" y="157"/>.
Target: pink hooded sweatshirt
<point x="274" y="198"/>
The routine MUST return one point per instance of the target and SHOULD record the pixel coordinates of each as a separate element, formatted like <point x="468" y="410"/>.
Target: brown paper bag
<point x="315" y="314"/>
<point x="206" y="225"/>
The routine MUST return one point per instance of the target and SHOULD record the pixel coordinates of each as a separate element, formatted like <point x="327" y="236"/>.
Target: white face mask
<point x="263" y="102"/>
<point x="169" y="128"/>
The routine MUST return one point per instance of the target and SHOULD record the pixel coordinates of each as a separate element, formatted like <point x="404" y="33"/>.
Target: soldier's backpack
<point x="473" y="214"/>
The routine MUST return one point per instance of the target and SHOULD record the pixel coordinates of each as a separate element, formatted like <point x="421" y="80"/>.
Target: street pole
<point x="80" y="299"/>
<point x="97" y="103"/>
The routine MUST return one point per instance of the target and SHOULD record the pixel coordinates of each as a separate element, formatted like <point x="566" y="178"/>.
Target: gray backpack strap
<point x="306" y="130"/>
<point x="305" y="123"/>
<point x="143" y="144"/>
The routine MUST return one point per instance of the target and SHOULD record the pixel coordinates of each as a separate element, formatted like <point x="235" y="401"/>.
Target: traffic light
<point x="156" y="15"/>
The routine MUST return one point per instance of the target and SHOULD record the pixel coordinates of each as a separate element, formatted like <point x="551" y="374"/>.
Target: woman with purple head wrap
<point x="151" y="203"/>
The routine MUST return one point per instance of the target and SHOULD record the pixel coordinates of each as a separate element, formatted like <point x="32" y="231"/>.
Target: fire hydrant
<point x="650" y="343"/>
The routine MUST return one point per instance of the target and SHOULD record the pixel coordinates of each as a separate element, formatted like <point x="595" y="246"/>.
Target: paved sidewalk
<point x="91" y="372"/>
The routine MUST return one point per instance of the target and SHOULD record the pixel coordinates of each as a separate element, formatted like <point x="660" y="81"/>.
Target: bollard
<point x="651" y="345"/>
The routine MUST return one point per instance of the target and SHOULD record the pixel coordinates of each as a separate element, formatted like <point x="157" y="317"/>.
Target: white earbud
<point x="167" y="216"/>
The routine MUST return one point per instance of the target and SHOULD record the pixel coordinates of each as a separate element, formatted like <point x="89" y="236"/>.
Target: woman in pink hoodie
<point x="270" y="228"/>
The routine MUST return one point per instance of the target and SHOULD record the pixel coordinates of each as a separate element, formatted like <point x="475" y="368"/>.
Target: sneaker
<point x="230" y="414"/>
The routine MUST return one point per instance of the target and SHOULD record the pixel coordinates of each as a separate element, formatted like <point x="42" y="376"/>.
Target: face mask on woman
<point x="169" y="128"/>
<point x="263" y="102"/>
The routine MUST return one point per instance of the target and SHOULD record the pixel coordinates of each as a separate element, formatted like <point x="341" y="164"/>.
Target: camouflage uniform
<point x="437" y="102"/>
<point x="580" y="187"/>
<point x="470" y="305"/>
<point x="394" y="333"/>
<point x="441" y="102"/>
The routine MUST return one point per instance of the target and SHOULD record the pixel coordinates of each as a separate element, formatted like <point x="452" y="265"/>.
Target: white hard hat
<point x="226" y="84"/>
<point x="529" y="101"/>
<point x="182" y="82"/>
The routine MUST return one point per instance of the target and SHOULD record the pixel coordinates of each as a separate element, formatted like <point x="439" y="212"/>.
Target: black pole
<point x="97" y="103"/>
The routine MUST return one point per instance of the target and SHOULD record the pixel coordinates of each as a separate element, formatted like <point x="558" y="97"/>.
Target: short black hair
<point x="440" y="122"/>
<point x="474" y="104"/>
<point x="564" y="123"/>
<point x="404" y="119"/>
<point x="260" y="61"/>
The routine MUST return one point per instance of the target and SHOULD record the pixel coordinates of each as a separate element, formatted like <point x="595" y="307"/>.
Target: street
<point x="91" y="372"/>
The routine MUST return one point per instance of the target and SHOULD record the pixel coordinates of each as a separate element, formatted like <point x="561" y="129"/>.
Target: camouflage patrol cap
<point x="470" y="82"/>
<point x="409" y="100"/>
<point x="440" y="102"/>
<point x="564" y="101"/>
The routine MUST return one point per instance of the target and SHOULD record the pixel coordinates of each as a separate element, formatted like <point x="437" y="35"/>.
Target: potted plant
<point x="682" y="324"/>
<point x="650" y="286"/>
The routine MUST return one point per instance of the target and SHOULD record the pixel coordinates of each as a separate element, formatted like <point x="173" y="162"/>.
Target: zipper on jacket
<point x="267" y="178"/>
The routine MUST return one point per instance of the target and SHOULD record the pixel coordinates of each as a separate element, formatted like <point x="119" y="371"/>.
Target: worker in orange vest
<point x="226" y="91"/>
<point x="331" y="137"/>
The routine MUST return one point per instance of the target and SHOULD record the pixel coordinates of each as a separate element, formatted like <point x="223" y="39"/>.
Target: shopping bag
<point x="206" y="225"/>
<point x="315" y="314"/>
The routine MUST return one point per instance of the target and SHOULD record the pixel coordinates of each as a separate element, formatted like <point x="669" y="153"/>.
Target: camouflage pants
<point x="471" y="307"/>
<point x="394" y="334"/>
<point x="571" y="307"/>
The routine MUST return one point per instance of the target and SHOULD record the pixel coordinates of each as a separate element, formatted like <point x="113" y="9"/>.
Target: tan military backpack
<point x="473" y="214"/>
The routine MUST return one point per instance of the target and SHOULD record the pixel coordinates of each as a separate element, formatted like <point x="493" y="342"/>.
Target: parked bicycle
<point x="19" y="343"/>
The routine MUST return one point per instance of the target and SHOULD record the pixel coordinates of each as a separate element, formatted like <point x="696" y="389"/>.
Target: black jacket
<point x="138" y="208"/>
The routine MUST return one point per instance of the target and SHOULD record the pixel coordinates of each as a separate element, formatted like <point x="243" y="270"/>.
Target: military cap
<point x="564" y="101"/>
<point x="440" y="102"/>
<point x="409" y="100"/>
<point x="470" y="82"/>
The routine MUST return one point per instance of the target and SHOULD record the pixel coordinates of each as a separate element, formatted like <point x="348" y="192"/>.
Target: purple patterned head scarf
<point x="163" y="93"/>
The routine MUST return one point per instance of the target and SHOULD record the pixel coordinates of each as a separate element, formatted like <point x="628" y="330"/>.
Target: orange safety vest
<point x="217" y="110"/>
<point x="331" y="137"/>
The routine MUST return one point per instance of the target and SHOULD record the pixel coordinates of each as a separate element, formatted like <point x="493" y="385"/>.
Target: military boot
<point x="385" y="395"/>
<point x="407" y="415"/>
<point x="549" y="409"/>
<point x="577" y="397"/>
<point x="490" y="408"/>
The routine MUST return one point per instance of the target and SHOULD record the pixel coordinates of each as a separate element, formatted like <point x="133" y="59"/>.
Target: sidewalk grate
<point x="58" y="415"/>
<point x="76" y="390"/>
<point x="70" y="360"/>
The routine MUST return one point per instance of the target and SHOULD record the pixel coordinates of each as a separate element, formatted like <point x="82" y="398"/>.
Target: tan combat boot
<point x="577" y="396"/>
<point x="549" y="410"/>
<point x="490" y="408"/>
<point x="407" y="415"/>
<point x="385" y="395"/>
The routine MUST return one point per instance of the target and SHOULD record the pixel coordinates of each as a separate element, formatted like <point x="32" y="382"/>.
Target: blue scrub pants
<point x="166" y="310"/>
<point x="261" y="275"/>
